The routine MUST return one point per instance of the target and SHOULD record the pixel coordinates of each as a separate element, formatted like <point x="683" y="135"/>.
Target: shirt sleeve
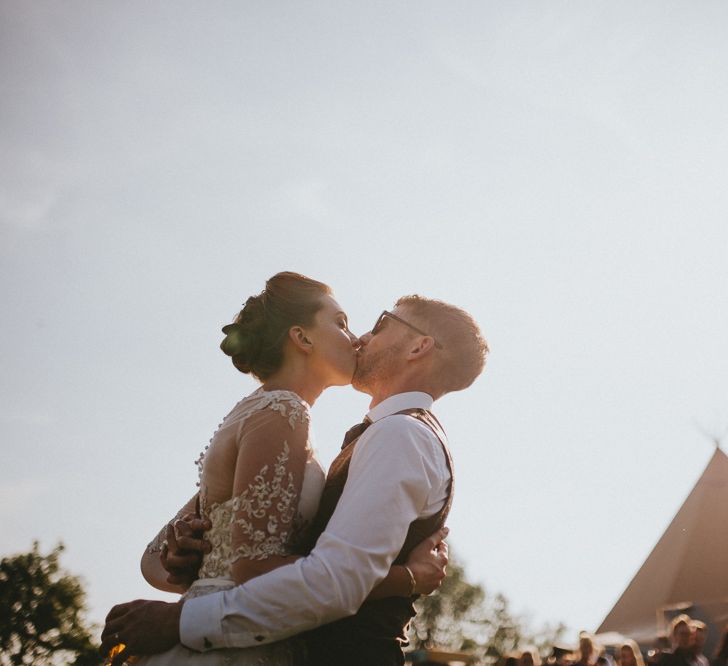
<point x="396" y="469"/>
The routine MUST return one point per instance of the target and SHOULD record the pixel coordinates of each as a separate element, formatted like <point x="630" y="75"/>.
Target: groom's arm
<point x="394" y="473"/>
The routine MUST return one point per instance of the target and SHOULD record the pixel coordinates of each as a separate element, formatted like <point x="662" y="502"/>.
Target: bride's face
<point x="334" y="345"/>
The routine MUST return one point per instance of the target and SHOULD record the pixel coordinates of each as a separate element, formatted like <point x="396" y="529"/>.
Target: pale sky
<point x="558" y="169"/>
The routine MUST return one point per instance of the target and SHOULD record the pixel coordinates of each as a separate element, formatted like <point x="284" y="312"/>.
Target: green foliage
<point x="445" y="617"/>
<point x="461" y="616"/>
<point x="545" y="638"/>
<point x="41" y="608"/>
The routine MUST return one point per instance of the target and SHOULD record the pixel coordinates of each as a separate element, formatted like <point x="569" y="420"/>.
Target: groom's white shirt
<point x="398" y="473"/>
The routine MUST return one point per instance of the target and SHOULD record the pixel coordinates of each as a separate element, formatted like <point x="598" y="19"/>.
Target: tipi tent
<point x="687" y="571"/>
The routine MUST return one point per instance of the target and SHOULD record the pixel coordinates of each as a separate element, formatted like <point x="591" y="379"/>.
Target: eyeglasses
<point x="386" y="313"/>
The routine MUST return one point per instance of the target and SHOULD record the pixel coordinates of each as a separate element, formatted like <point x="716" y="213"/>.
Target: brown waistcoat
<point x="376" y="634"/>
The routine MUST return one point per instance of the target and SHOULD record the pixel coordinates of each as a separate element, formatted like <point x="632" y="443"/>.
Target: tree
<point x="461" y="616"/>
<point x="41" y="612"/>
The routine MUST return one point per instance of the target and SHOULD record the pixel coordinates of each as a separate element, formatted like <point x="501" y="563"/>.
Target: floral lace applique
<point x="267" y="510"/>
<point x="217" y="563"/>
<point x="272" y="496"/>
<point x="290" y="405"/>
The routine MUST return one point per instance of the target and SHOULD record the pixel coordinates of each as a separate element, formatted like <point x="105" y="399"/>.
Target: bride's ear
<point x="297" y="335"/>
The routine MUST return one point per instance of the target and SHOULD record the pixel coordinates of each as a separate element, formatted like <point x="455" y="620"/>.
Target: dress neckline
<point x="261" y="391"/>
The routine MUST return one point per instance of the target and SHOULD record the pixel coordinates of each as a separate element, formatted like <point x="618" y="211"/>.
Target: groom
<point x="389" y="488"/>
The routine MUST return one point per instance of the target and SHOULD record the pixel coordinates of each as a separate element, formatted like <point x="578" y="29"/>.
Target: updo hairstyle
<point x="256" y="339"/>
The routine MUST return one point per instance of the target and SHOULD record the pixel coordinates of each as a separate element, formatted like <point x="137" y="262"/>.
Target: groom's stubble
<point x="377" y="369"/>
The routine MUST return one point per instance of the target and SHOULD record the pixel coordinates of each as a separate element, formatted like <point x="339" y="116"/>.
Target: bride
<point x="259" y="481"/>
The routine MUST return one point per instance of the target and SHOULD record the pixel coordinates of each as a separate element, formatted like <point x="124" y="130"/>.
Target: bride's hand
<point x="428" y="562"/>
<point x="182" y="555"/>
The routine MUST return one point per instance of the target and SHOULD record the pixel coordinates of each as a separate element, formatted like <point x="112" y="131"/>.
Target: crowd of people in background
<point x="683" y="646"/>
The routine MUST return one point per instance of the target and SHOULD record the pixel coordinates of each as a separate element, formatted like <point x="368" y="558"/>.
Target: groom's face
<point x="382" y="353"/>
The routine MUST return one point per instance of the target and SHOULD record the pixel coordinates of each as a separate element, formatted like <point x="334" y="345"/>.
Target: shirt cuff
<point x="200" y="623"/>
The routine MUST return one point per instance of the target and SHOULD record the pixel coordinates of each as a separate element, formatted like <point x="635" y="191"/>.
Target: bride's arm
<point x="423" y="572"/>
<point x="272" y="454"/>
<point x="152" y="562"/>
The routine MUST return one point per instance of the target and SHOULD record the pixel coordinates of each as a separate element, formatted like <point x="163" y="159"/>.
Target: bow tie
<point x="355" y="431"/>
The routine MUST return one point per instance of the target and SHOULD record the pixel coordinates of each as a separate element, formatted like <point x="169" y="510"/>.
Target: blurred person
<point x="588" y="652"/>
<point x="529" y="657"/>
<point x="630" y="654"/>
<point x="604" y="658"/>
<point x="699" y="634"/>
<point x="680" y="636"/>
<point x="560" y="656"/>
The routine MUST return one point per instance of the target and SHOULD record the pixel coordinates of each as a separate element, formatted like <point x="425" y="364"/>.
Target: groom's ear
<point x="298" y="337"/>
<point x="421" y="347"/>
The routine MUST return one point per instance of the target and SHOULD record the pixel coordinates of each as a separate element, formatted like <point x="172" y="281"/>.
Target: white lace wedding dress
<point x="260" y="486"/>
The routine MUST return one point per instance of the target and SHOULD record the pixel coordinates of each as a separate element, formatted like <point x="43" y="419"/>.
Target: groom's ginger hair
<point x="464" y="348"/>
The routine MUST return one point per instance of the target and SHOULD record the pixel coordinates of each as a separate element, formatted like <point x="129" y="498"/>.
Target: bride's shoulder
<point x="285" y="404"/>
<point x="289" y="405"/>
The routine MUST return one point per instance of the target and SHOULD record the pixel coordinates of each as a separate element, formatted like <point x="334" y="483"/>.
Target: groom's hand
<point x="144" y="627"/>
<point x="185" y="547"/>
<point x="428" y="562"/>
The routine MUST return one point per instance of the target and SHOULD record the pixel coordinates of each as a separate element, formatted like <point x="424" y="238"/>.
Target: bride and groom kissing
<point x="297" y="566"/>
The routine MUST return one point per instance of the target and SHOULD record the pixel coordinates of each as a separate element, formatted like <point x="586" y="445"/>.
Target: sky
<point x="557" y="169"/>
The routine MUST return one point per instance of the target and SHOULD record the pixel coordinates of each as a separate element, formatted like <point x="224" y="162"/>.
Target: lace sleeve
<point x="272" y="454"/>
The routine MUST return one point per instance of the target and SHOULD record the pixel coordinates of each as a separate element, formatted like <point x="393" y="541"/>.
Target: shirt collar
<point x="396" y="403"/>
